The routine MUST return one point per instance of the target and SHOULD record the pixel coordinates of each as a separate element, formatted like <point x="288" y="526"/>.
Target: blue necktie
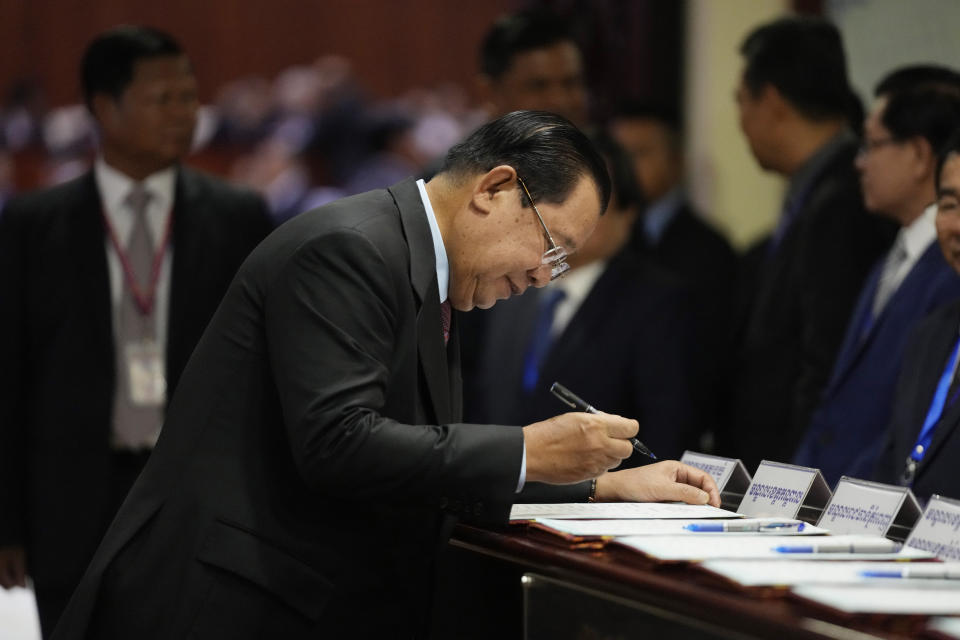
<point x="541" y="338"/>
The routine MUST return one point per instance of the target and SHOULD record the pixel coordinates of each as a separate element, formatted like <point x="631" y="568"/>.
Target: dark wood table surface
<point x="678" y="589"/>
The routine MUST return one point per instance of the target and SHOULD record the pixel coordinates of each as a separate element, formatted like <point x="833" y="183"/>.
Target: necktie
<point x="446" y="313"/>
<point x="135" y="425"/>
<point x="540" y="341"/>
<point x="887" y="284"/>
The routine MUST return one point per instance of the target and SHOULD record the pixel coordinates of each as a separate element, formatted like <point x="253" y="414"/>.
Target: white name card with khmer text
<point x="786" y="491"/>
<point x="861" y="506"/>
<point x="939" y="529"/>
<point x="729" y="473"/>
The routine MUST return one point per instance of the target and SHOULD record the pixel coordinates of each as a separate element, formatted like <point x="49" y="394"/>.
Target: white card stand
<point x="938" y="530"/>
<point x="782" y="490"/>
<point x="861" y="506"/>
<point x="730" y="475"/>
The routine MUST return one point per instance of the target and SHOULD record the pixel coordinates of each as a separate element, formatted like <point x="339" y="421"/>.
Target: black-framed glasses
<point x="556" y="255"/>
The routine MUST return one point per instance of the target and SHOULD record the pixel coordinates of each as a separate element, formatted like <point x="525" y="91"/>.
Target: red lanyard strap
<point x="143" y="299"/>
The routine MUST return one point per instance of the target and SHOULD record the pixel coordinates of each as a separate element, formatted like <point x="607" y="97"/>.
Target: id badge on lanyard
<point x="143" y="359"/>
<point x="146" y="379"/>
<point x="934" y="413"/>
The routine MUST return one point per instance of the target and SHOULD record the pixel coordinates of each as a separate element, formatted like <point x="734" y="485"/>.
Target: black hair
<point x="626" y="189"/>
<point x="666" y="116"/>
<point x="545" y="149"/>
<point x="108" y="63"/>
<point x="916" y="76"/>
<point x="950" y="148"/>
<point x="517" y="33"/>
<point x="803" y="58"/>
<point x="929" y="112"/>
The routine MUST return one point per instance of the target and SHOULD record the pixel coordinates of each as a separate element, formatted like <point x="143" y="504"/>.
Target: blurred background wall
<point x="416" y="57"/>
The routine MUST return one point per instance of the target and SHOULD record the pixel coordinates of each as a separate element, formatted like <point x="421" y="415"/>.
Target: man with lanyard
<point x="106" y="284"/>
<point x="922" y="443"/>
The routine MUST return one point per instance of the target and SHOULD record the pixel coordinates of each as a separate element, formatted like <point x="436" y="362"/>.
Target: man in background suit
<point x="103" y="298"/>
<point x="530" y="60"/>
<point x="913" y="116"/>
<point x="616" y="330"/>
<point x="922" y="444"/>
<point x="794" y="103"/>
<point x="312" y="463"/>
<point x="672" y="235"/>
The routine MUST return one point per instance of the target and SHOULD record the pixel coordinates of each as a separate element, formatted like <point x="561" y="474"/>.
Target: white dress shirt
<point x="114" y="188"/>
<point x="443" y="281"/>
<point x="915" y="238"/>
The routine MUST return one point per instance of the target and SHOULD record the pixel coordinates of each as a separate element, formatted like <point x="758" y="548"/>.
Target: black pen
<point x="570" y="398"/>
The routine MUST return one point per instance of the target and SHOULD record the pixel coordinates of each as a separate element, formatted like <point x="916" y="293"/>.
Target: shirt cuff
<point x="523" y="469"/>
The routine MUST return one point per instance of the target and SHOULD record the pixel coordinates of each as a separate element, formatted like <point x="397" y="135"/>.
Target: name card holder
<point x="938" y="530"/>
<point x="786" y="491"/>
<point x="729" y="473"/>
<point x="861" y="506"/>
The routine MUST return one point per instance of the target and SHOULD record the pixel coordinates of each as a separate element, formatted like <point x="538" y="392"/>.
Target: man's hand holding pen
<point x="578" y="446"/>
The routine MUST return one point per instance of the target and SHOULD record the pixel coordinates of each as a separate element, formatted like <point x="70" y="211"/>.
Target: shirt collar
<point x="115" y="186"/>
<point x="440" y="252"/>
<point x="918" y="235"/>
<point x="804" y="177"/>
<point x="658" y="215"/>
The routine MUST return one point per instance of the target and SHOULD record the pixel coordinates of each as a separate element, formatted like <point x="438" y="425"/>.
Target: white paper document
<point x="675" y="526"/>
<point x="949" y="627"/>
<point x="699" y="548"/>
<point x="919" y="599"/>
<point x="789" y="573"/>
<point x="618" y="510"/>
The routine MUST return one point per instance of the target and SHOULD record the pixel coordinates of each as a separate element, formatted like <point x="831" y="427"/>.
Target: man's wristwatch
<point x="593" y="490"/>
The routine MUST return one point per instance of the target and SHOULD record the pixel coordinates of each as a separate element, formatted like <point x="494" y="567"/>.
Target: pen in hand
<point x="570" y="398"/>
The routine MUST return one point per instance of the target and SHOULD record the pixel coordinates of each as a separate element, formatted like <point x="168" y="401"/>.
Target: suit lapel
<point x="856" y="340"/>
<point x="933" y="362"/>
<point x="186" y="273"/>
<point x="423" y="278"/>
<point x="90" y="264"/>
<point x="951" y="413"/>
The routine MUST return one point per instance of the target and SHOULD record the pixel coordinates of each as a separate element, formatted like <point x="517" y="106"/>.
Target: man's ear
<point x="771" y="96"/>
<point x="493" y="186"/>
<point x="926" y="158"/>
<point x="104" y="109"/>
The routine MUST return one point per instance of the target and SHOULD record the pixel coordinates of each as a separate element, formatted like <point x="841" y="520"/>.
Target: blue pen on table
<point x="878" y="546"/>
<point x="743" y="527"/>
<point x="570" y="398"/>
<point x="928" y="570"/>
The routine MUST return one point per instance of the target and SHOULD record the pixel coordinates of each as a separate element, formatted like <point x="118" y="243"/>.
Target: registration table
<point x="517" y="583"/>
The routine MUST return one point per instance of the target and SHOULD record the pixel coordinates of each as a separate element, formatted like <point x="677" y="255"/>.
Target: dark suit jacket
<point x="311" y="463"/>
<point x="694" y="250"/>
<point x="629" y="350"/>
<point x="855" y="407"/>
<point x="924" y="361"/>
<point x="803" y="298"/>
<point x="703" y="259"/>
<point x="56" y="346"/>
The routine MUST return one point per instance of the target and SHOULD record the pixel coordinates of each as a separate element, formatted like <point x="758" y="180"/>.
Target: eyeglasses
<point x="556" y="255"/>
<point x="869" y="146"/>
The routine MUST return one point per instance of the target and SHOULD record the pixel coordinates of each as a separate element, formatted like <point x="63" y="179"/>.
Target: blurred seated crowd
<point x="306" y="137"/>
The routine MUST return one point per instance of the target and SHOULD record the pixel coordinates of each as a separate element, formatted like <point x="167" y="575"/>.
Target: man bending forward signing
<point x="311" y="464"/>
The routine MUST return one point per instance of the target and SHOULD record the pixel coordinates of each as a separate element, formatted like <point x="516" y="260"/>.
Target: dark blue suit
<point x="845" y="431"/>
<point x="924" y="360"/>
